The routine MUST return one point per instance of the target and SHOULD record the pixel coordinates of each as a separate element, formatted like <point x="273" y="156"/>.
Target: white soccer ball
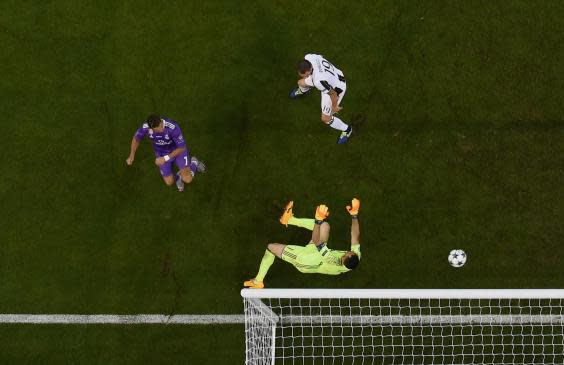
<point x="457" y="258"/>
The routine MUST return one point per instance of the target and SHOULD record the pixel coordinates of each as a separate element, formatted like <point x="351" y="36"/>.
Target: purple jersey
<point x="166" y="141"/>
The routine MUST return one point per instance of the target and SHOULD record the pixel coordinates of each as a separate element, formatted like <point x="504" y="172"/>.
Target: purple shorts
<point x="182" y="161"/>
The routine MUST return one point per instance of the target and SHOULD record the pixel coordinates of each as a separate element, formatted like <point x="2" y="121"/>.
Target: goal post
<point x="404" y="326"/>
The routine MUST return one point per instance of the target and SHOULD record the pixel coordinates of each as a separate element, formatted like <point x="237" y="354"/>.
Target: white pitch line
<point x="204" y="319"/>
<point x="210" y="319"/>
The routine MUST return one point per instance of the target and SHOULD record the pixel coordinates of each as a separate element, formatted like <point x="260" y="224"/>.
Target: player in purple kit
<point x="169" y="146"/>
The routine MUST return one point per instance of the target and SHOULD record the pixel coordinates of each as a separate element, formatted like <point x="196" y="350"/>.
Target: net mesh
<point x="404" y="331"/>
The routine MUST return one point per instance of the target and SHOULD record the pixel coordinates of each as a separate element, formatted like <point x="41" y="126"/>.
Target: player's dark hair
<point x="304" y="66"/>
<point x="351" y="262"/>
<point x="153" y="121"/>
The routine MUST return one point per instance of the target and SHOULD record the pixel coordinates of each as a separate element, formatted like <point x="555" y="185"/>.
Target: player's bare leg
<point x="276" y="249"/>
<point x="327" y="119"/>
<point x="169" y="180"/>
<point x="186" y="175"/>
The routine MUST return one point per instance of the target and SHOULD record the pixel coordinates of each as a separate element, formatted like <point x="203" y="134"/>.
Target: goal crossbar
<point x="404" y="293"/>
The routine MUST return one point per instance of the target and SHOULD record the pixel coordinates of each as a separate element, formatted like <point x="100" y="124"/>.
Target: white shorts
<point x="327" y="104"/>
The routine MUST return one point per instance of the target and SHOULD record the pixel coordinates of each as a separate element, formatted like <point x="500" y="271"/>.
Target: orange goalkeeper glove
<point x="321" y="213"/>
<point x="354" y="207"/>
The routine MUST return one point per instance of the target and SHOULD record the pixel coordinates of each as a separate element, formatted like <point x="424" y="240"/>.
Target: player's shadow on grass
<point x="357" y="122"/>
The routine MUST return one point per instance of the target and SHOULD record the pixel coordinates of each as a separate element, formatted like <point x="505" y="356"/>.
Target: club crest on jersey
<point x="166" y="136"/>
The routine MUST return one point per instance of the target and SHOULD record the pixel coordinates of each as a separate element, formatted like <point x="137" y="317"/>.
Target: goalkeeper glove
<point x="321" y="213"/>
<point x="354" y="207"/>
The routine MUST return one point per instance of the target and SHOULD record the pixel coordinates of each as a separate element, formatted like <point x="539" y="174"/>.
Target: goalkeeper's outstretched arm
<point x="355" y="228"/>
<point x="355" y="232"/>
<point x="321" y="213"/>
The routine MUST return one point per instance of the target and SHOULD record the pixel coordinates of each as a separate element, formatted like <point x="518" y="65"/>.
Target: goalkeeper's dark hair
<point x="304" y="66"/>
<point x="351" y="262"/>
<point x="153" y="121"/>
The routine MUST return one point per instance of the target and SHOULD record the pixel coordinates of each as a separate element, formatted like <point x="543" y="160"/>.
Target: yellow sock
<point x="307" y="223"/>
<point x="265" y="264"/>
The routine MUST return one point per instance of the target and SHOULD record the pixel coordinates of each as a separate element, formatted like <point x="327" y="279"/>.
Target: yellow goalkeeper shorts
<point x="304" y="258"/>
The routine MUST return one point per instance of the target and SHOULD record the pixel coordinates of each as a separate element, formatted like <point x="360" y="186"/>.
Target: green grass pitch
<point x="459" y="143"/>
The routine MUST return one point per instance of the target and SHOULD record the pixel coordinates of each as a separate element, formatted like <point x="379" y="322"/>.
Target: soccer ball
<point x="457" y="258"/>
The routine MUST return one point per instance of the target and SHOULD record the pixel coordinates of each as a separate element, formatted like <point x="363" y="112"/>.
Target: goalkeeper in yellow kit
<point x="315" y="257"/>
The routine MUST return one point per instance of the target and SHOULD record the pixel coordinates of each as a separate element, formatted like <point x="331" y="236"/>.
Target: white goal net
<point x="322" y="326"/>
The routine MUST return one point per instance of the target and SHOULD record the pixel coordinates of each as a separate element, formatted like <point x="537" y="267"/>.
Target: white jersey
<point x="325" y="77"/>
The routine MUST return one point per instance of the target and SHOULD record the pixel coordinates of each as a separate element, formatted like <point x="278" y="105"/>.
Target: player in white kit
<point x="316" y="71"/>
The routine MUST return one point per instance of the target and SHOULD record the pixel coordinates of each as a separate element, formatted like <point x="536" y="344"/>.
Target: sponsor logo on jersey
<point x="160" y="142"/>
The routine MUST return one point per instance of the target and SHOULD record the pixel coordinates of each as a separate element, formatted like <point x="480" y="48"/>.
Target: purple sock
<point x="194" y="167"/>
